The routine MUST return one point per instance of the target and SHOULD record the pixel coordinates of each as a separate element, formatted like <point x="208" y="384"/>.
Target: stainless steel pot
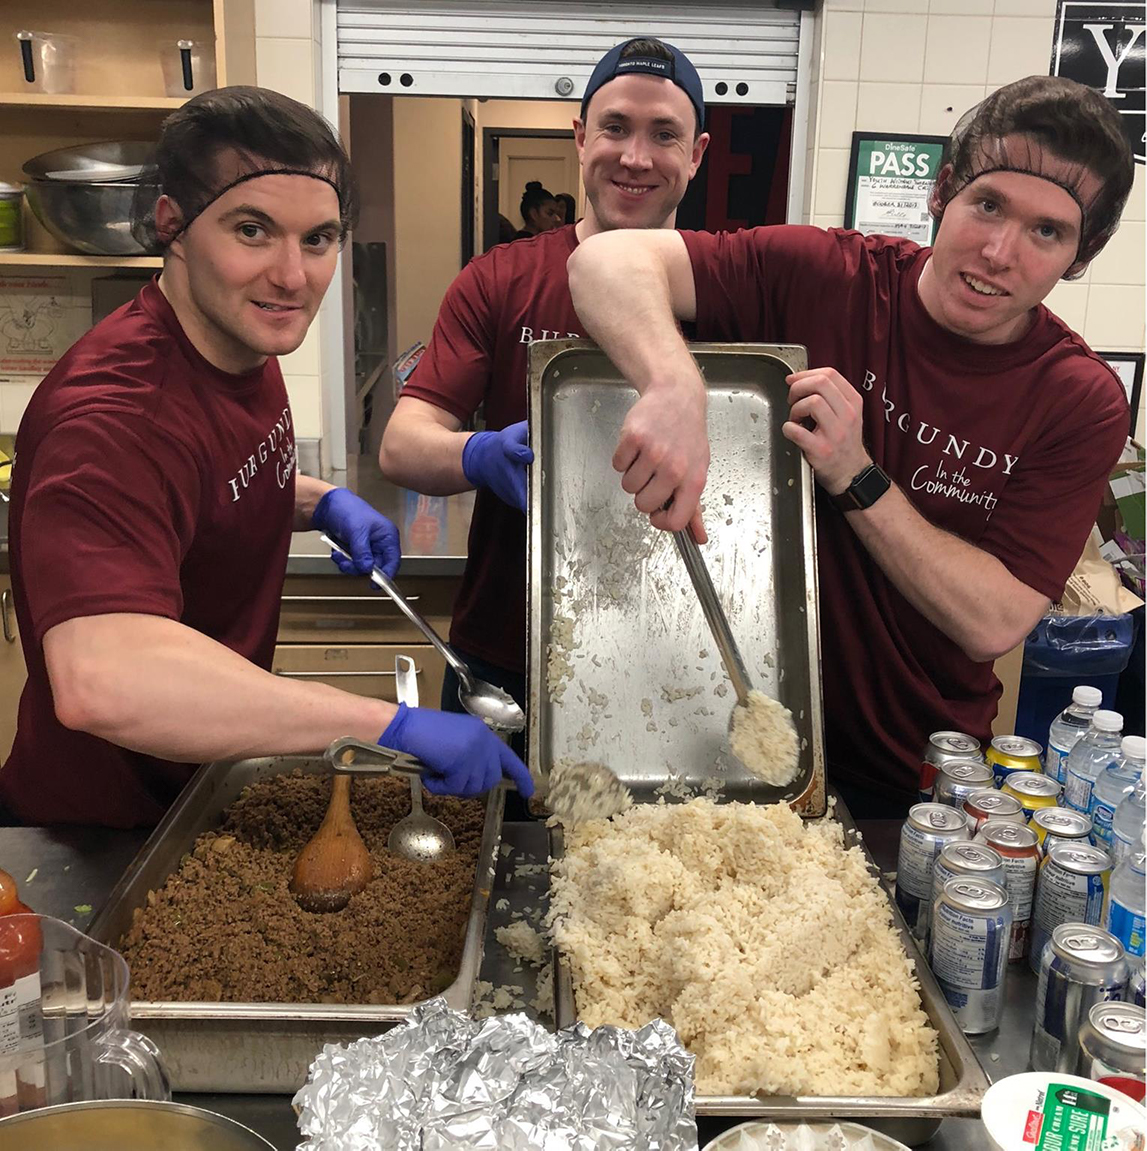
<point x="92" y="218"/>
<point x="126" y="1125"/>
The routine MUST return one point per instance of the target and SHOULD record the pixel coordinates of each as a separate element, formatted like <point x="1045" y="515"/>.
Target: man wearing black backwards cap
<point x="155" y="491"/>
<point x="961" y="434"/>
<point x="640" y="142"/>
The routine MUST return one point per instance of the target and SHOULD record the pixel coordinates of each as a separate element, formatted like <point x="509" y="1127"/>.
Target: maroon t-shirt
<point x="145" y="481"/>
<point x="496" y="307"/>
<point x="1007" y="446"/>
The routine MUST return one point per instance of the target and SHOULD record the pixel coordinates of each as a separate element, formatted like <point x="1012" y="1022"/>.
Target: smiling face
<point x="247" y="276"/>
<point x="1004" y="242"/>
<point x="638" y="153"/>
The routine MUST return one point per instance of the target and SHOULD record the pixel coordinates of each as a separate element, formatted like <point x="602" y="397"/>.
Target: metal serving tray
<point x="646" y="693"/>
<point x="264" y="1047"/>
<point x="912" y="1120"/>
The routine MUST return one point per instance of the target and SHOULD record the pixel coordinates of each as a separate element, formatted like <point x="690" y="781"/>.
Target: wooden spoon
<point x="334" y="863"/>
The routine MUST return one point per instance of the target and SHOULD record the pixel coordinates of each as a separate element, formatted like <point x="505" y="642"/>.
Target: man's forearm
<point x="621" y="291"/>
<point x="155" y="686"/>
<point x="424" y="456"/>
<point x="308" y="492"/>
<point x="967" y="593"/>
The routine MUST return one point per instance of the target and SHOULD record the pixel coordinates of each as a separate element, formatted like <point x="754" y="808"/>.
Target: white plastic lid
<point x="1134" y="747"/>
<point x="1087" y="696"/>
<point x="1017" y="1109"/>
<point x="1107" y="720"/>
<point x="11" y="189"/>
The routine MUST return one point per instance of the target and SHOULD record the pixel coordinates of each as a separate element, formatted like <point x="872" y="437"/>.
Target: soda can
<point x="1071" y="888"/>
<point x="1019" y="850"/>
<point x="928" y="829"/>
<point x="970" y="932"/>
<point x="1136" y="989"/>
<point x="1060" y="825"/>
<point x="1081" y="966"/>
<point x="944" y="747"/>
<point x="1035" y="792"/>
<point x="987" y="804"/>
<point x="1113" y="1048"/>
<point x="956" y="781"/>
<point x="1008" y="753"/>
<point x="965" y="860"/>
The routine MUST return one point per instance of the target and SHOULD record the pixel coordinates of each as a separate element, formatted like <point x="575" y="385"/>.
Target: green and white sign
<point x="889" y="181"/>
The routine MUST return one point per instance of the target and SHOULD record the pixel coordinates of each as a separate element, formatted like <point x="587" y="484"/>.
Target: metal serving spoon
<point x="491" y="704"/>
<point x="417" y="836"/>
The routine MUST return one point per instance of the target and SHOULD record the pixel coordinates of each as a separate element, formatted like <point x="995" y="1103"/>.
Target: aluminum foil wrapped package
<point x="444" y="1080"/>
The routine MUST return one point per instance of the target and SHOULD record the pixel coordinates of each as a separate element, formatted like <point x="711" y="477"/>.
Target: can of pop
<point x="1019" y="851"/>
<point x="944" y="747"/>
<point x="956" y="781"/>
<point x="1071" y="888"/>
<point x="1060" y="825"/>
<point x="1034" y="792"/>
<point x="929" y="827"/>
<point x="981" y="806"/>
<point x="1081" y="966"/>
<point x="1008" y="753"/>
<point x="970" y="934"/>
<point x="1113" y="1048"/>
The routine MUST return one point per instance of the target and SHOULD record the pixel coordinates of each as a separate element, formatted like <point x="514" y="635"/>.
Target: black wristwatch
<point x="866" y="488"/>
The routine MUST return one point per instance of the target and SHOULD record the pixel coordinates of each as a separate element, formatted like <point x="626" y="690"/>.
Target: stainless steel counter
<point x="76" y="868"/>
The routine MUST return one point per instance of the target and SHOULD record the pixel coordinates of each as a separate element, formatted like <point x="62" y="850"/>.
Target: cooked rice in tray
<point x="767" y="945"/>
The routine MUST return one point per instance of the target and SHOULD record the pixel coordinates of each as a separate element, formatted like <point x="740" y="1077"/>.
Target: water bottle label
<point x="1055" y="762"/>
<point x="1077" y="793"/>
<point x="1101" y="816"/>
<point x="1127" y="926"/>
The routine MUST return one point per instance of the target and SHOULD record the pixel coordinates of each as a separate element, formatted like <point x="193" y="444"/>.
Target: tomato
<point x="8" y="896"/>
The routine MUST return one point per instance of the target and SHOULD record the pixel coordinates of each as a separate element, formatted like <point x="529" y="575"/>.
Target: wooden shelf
<point x="72" y="260"/>
<point x="92" y="103"/>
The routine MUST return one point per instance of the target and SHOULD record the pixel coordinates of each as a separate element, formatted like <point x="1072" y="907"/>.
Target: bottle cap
<point x="1134" y="747"/>
<point x="1087" y="696"/>
<point x="1107" y="720"/>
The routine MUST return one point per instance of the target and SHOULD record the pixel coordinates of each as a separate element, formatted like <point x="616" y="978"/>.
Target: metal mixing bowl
<point x="90" y="162"/>
<point x="126" y="1125"/>
<point x="91" y="218"/>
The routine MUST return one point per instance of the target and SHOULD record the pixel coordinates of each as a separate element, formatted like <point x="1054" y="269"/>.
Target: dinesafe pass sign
<point x="1102" y="45"/>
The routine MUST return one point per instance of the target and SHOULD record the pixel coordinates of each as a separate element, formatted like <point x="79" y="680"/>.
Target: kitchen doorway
<point x="511" y="158"/>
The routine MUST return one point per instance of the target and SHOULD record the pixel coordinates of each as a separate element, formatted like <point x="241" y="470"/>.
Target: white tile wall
<point x="957" y="49"/>
<point x="832" y="181"/>
<point x="841" y="53"/>
<point x="1069" y="302"/>
<point x="941" y="105"/>
<point x="1115" y="316"/>
<point x="888" y="108"/>
<point x="1121" y="262"/>
<point x="892" y="47"/>
<point x="1021" y="46"/>
<point x="304" y="361"/>
<point x="961" y="7"/>
<point x="836" y="117"/>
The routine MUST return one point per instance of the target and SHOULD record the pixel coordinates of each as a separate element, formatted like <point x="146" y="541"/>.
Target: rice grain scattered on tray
<point x="764" y="739"/>
<point x="760" y="938"/>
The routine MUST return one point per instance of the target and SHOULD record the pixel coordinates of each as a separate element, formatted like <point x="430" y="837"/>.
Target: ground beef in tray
<point x="225" y="927"/>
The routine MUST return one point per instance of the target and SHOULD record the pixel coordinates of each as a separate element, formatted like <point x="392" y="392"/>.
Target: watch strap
<point x="866" y="488"/>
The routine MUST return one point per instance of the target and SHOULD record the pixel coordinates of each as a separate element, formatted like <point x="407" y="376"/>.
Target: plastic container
<point x="11" y="217"/>
<point x="188" y="66"/>
<point x="1127" y="824"/>
<point x="1067" y="728"/>
<point x="1091" y="755"/>
<point x="1113" y="785"/>
<point x="1124" y="916"/>
<point x="47" y="61"/>
<point x="1021" y="1110"/>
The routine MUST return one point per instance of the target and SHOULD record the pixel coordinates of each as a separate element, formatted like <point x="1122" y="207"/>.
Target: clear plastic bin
<point x="188" y="66"/>
<point x="47" y="61"/>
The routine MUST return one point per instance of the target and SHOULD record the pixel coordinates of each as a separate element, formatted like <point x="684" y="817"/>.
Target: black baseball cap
<point x="679" y="70"/>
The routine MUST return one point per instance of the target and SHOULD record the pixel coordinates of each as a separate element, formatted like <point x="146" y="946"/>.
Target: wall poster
<point x="889" y="179"/>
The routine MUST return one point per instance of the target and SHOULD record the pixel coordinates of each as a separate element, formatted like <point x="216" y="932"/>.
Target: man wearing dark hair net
<point x="155" y="490"/>
<point x="960" y="434"/>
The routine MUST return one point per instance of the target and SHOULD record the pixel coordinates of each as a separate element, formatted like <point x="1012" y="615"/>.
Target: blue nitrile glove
<point x="498" y="461"/>
<point x="462" y="755"/>
<point x="369" y="536"/>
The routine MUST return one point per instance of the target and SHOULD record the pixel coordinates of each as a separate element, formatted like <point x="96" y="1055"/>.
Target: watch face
<point x="865" y="490"/>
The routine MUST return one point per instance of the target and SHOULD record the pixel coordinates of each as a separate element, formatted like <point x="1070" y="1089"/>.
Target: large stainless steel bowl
<point x="92" y="162"/>
<point x="126" y="1125"/>
<point x="91" y="218"/>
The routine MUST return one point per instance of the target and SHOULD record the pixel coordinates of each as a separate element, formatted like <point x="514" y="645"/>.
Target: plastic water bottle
<point x="1127" y="825"/>
<point x="1125" y="907"/>
<point x="1067" y="728"/>
<point x="1112" y="784"/>
<point x="1094" y="751"/>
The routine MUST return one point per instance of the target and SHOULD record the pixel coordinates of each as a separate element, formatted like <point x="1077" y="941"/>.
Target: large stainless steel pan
<point x="264" y="1047"/>
<point x="909" y="1119"/>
